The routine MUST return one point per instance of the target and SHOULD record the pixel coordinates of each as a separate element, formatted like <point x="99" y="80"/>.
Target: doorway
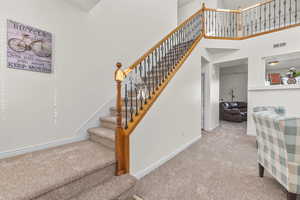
<point x="234" y="92"/>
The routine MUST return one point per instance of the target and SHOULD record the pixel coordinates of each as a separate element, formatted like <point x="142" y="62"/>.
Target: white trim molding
<point x="38" y="147"/>
<point x="274" y="87"/>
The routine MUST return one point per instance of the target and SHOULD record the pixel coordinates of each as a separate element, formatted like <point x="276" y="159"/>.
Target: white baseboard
<point x="163" y="160"/>
<point x="32" y="148"/>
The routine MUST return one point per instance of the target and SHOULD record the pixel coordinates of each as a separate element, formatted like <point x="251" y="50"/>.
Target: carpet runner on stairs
<point x="82" y="170"/>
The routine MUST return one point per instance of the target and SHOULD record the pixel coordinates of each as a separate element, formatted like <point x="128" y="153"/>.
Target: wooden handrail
<point x="136" y="63"/>
<point x="222" y="10"/>
<point x="257" y="5"/>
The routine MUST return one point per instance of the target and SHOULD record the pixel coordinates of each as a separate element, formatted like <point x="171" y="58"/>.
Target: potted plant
<point x="292" y="74"/>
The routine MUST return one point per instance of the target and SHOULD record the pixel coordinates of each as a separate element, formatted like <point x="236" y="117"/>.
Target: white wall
<point x="38" y="108"/>
<point x="188" y="9"/>
<point x="235" y="78"/>
<point x="255" y="49"/>
<point x="173" y="122"/>
<point x="213" y="74"/>
<point x="235" y="4"/>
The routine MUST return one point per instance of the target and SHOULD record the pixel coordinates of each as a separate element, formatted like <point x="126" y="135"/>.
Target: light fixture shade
<point x="272" y="63"/>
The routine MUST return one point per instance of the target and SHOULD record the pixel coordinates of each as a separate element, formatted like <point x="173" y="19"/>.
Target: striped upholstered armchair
<point x="278" y="139"/>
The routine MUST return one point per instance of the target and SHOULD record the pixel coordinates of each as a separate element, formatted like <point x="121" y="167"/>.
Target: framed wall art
<point x="28" y="48"/>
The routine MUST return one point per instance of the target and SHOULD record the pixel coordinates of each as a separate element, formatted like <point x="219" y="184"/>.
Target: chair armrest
<point x="293" y="176"/>
<point x="291" y="129"/>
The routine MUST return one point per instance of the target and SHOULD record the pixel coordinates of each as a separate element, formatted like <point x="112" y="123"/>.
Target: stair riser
<point x="158" y="71"/>
<point x="104" y="141"/>
<point x="127" y="195"/>
<point x="139" y="104"/>
<point x="77" y="187"/>
<point x="114" y="113"/>
<point x="153" y="81"/>
<point x="134" y="103"/>
<point x="109" y="125"/>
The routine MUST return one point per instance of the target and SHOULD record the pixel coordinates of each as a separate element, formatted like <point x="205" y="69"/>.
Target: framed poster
<point x="28" y="48"/>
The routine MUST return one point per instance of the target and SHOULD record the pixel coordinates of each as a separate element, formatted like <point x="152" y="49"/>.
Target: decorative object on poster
<point x="28" y="48"/>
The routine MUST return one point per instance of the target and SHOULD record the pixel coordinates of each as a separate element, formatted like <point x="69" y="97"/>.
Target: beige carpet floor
<point x="221" y="166"/>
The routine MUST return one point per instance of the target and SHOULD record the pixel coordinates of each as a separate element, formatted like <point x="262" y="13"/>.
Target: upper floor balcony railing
<point x="262" y="18"/>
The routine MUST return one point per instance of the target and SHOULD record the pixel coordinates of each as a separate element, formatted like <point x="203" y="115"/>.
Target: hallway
<point x="221" y="166"/>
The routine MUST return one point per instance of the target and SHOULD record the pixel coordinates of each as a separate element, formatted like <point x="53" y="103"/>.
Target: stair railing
<point x="259" y="19"/>
<point x="139" y="85"/>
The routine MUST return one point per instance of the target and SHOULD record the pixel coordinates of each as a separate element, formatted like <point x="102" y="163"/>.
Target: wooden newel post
<point x="118" y="136"/>
<point x="120" y="139"/>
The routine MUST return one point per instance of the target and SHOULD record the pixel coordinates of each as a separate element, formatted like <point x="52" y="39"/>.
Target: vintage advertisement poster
<point x="28" y="48"/>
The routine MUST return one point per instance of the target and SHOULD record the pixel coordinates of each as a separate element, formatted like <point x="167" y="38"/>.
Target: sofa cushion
<point x="234" y="105"/>
<point x="234" y="111"/>
<point x="226" y="105"/>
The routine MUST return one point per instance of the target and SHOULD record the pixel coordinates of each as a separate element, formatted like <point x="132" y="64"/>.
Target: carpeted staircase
<point x="83" y="170"/>
<point x="78" y="171"/>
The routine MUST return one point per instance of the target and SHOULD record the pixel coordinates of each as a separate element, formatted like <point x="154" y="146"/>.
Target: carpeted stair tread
<point x="31" y="175"/>
<point x="109" y="119"/>
<point x="103" y="132"/>
<point x="113" y="110"/>
<point x="109" y="190"/>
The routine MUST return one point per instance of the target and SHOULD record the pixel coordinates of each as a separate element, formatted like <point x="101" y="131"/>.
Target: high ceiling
<point x="85" y="5"/>
<point x="228" y="4"/>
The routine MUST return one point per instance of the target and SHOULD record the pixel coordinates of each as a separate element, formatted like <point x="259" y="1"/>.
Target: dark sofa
<point x="233" y="111"/>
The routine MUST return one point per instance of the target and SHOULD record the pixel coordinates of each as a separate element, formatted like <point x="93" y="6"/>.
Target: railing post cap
<point x="119" y="65"/>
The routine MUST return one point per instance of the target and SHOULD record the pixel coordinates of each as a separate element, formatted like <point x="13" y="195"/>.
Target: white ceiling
<point x="233" y="63"/>
<point x="85" y="5"/>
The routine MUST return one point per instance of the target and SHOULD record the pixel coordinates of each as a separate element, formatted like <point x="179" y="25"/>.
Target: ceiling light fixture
<point x="272" y="63"/>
